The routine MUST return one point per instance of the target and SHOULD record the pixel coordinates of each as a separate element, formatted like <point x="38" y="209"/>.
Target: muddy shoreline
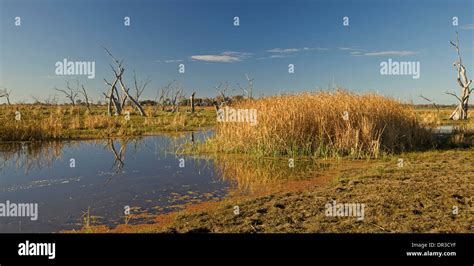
<point x="419" y="197"/>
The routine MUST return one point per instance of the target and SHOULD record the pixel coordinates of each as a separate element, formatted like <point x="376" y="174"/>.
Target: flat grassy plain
<point x="431" y="192"/>
<point x="65" y="122"/>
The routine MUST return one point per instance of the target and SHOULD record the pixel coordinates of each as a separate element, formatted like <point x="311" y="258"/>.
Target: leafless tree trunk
<point x="111" y="98"/>
<point x="250" y="86"/>
<point x="176" y="95"/>
<point x="86" y="97"/>
<point x="139" y="86"/>
<point x="192" y="102"/>
<point x="36" y="100"/>
<point x="460" y="113"/>
<point x="161" y="96"/>
<point x="118" y="71"/>
<point x="124" y="101"/>
<point x="135" y="102"/>
<point x="248" y="91"/>
<point x="70" y="93"/>
<point x="5" y="93"/>
<point x="221" y="99"/>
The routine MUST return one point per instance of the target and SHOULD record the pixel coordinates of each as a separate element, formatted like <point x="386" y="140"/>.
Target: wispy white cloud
<point x="280" y="55"/>
<point x="289" y="52"/>
<point x="467" y="27"/>
<point x="169" y="61"/>
<point x="280" y="50"/>
<point x="215" y="58"/>
<point x="295" y="50"/>
<point x="350" y="49"/>
<point x="275" y="56"/>
<point x="315" y="49"/>
<point x="362" y="52"/>
<point x="225" y="57"/>
<point x="390" y="53"/>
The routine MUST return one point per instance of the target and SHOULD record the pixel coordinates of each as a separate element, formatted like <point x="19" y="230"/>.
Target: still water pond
<point x="69" y="179"/>
<point x="66" y="179"/>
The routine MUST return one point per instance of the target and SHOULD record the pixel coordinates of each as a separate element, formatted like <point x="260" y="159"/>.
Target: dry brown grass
<point x="418" y="198"/>
<point x="48" y="122"/>
<point x="313" y="124"/>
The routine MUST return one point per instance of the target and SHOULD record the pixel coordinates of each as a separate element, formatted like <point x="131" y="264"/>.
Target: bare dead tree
<point x="176" y="94"/>
<point x="4" y="93"/>
<point x="108" y="101"/>
<point x="192" y="102"/>
<point x="36" y="100"/>
<point x="161" y="96"/>
<point x="139" y="85"/>
<point x="250" y="86"/>
<point x="461" y="110"/>
<point x="118" y="72"/>
<point x="111" y="99"/>
<point x="222" y="99"/>
<point x="69" y="92"/>
<point x="86" y="97"/>
<point x="244" y="91"/>
<point x="51" y="100"/>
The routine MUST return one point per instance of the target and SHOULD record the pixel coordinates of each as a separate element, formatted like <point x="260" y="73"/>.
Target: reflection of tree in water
<point x="31" y="155"/>
<point x="28" y="156"/>
<point x="38" y="155"/>
<point x="119" y="156"/>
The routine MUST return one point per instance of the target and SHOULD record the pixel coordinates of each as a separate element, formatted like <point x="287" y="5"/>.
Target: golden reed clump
<point x="323" y="124"/>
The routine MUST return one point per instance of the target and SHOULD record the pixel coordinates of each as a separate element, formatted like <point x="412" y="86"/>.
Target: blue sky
<point x="272" y="34"/>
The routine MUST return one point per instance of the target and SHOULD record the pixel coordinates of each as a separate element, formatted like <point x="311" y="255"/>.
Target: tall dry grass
<point x="37" y="125"/>
<point x="313" y="124"/>
<point x="48" y="122"/>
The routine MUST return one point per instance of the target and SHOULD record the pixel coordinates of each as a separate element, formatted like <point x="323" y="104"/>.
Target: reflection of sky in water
<point x="150" y="178"/>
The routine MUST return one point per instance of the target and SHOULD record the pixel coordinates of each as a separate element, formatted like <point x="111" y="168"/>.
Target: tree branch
<point x="436" y="106"/>
<point x="454" y="94"/>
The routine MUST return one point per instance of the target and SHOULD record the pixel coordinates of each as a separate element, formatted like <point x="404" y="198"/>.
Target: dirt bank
<point x="431" y="192"/>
